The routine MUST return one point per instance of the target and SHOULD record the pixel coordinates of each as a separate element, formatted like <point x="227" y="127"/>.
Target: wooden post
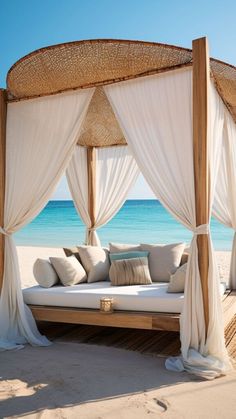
<point x="91" y="164"/>
<point x="201" y="79"/>
<point x="3" y="119"/>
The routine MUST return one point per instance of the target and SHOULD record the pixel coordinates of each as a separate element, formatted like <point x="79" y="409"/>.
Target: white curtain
<point x="155" y="114"/>
<point x="224" y="206"/>
<point x="41" y="137"/>
<point x="116" y="172"/>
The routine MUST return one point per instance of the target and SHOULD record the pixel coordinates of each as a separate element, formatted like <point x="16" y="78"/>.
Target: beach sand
<point x="78" y="381"/>
<point x="68" y="380"/>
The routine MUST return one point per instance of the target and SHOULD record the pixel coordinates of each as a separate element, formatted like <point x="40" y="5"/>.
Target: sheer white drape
<point x="77" y="178"/>
<point x="155" y="114"/>
<point x="41" y="136"/>
<point x="116" y="172"/>
<point x="224" y="206"/>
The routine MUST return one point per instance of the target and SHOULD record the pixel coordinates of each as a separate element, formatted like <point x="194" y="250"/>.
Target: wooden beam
<point x="201" y="79"/>
<point x="127" y="319"/>
<point x="3" y="119"/>
<point x="91" y="166"/>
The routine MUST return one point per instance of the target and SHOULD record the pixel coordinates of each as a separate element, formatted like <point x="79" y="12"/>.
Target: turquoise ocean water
<point x="137" y="221"/>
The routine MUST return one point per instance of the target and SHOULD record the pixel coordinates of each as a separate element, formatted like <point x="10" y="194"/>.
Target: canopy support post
<point x="91" y="165"/>
<point x="3" y="120"/>
<point x="201" y="80"/>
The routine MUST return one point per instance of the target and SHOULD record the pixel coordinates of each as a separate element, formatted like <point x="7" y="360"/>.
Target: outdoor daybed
<point x="103" y="110"/>
<point x="148" y="306"/>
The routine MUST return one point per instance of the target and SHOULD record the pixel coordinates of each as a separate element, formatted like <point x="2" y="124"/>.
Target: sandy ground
<point x="78" y="381"/>
<point x="68" y="380"/>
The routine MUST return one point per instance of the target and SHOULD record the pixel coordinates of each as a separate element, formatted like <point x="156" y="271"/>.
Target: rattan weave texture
<point x="100" y="127"/>
<point x="83" y="63"/>
<point x="89" y="63"/>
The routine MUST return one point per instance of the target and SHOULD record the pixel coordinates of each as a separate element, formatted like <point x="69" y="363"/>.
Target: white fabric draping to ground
<point x="155" y="114"/>
<point x="224" y="206"/>
<point x="41" y="136"/>
<point x="116" y="172"/>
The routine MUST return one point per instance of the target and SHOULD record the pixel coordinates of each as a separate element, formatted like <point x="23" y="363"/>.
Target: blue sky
<point x="30" y="24"/>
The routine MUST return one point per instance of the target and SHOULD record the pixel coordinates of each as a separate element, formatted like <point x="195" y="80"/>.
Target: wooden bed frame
<point x="127" y="319"/>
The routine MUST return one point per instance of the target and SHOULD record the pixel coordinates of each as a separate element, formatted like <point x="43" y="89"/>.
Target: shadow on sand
<point x="69" y="374"/>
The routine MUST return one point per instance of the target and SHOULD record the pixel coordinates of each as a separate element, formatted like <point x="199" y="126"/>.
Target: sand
<point x="78" y="381"/>
<point x="68" y="380"/>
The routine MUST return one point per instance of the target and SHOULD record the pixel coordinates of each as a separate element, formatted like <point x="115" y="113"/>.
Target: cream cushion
<point x="130" y="272"/>
<point x="177" y="280"/>
<point x="69" y="270"/>
<point x="95" y="260"/>
<point x="163" y="259"/>
<point x="151" y="297"/>
<point x="44" y="273"/>
<point x="121" y="248"/>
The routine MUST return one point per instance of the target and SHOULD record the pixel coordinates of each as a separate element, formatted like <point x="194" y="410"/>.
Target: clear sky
<point x="30" y="24"/>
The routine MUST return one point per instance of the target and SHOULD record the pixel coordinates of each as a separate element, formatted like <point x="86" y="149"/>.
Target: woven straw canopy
<point x="100" y="126"/>
<point x="85" y="64"/>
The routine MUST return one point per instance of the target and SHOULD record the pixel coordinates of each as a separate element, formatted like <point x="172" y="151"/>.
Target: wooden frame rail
<point x="127" y="319"/>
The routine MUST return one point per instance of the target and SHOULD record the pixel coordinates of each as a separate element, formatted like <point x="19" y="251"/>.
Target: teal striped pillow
<point x="128" y="255"/>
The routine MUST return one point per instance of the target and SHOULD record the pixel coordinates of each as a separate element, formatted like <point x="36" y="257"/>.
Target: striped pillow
<point x="130" y="272"/>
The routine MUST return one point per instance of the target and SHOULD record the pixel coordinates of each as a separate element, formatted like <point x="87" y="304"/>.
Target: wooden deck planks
<point x="229" y="307"/>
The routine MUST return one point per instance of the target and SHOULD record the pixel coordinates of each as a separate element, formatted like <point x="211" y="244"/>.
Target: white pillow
<point x="96" y="262"/>
<point x="69" y="270"/>
<point x="44" y="273"/>
<point x="177" y="280"/>
<point x="163" y="259"/>
<point x="121" y="248"/>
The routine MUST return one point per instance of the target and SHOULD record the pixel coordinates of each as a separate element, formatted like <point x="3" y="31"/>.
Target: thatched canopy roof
<point x="100" y="127"/>
<point x="90" y="63"/>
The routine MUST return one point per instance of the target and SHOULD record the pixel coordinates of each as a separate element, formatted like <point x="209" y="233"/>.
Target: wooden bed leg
<point x="3" y="119"/>
<point x="201" y="80"/>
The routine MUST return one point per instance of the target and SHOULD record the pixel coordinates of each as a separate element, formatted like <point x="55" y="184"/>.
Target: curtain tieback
<point x="202" y="229"/>
<point x="90" y="229"/>
<point x="4" y="232"/>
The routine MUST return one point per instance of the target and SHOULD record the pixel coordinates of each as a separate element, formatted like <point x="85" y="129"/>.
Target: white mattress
<point x="132" y="298"/>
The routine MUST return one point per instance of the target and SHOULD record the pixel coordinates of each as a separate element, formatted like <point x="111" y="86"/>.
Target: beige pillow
<point x="96" y="262"/>
<point x="177" y="280"/>
<point x="69" y="270"/>
<point x="69" y="251"/>
<point x="163" y="259"/>
<point x="44" y="273"/>
<point x="184" y="258"/>
<point x="130" y="272"/>
<point x="120" y="248"/>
